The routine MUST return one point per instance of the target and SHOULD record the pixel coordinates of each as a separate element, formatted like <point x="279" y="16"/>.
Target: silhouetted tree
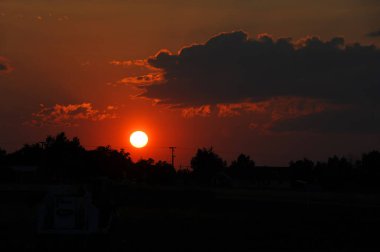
<point x="5" y="172"/>
<point x="105" y="161"/>
<point x="27" y="155"/>
<point x="243" y="166"/>
<point x="321" y="175"/>
<point x="370" y="170"/>
<point x="184" y="176"/>
<point x="371" y="162"/>
<point x="64" y="158"/>
<point x="142" y="168"/>
<point x="340" y="172"/>
<point x="301" y="172"/>
<point x="3" y="155"/>
<point x="206" y="164"/>
<point x="161" y="173"/>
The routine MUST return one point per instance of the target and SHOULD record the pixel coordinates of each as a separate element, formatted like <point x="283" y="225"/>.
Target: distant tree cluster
<point x="338" y="173"/>
<point x="62" y="160"/>
<point x="206" y="164"/>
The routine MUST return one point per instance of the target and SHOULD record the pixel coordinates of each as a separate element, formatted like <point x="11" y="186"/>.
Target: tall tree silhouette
<point x="340" y="170"/>
<point x="206" y="164"/>
<point x="370" y="170"/>
<point x="243" y="166"/>
<point x="64" y="158"/>
<point x="105" y="161"/>
<point x="162" y="173"/>
<point x="301" y="172"/>
<point x="29" y="154"/>
<point x="371" y="162"/>
<point x="3" y="155"/>
<point x="5" y="172"/>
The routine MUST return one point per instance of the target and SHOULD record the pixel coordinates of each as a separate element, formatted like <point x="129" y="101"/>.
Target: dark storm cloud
<point x="374" y="34"/>
<point x="313" y="84"/>
<point x="230" y="67"/>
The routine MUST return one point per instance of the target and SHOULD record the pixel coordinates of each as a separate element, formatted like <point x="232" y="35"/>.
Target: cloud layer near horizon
<point x="70" y="115"/>
<point x="231" y="68"/>
<point x="374" y="34"/>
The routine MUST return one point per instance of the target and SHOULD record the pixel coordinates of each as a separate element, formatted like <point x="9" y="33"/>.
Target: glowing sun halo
<point x="138" y="139"/>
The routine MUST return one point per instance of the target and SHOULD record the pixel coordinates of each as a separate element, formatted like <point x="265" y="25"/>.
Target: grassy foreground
<point x="197" y="219"/>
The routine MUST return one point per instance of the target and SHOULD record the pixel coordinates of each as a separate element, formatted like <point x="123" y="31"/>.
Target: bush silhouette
<point x="206" y="164"/>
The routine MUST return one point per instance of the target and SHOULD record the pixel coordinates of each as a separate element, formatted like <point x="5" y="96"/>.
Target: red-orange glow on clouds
<point x="278" y="107"/>
<point x="147" y="79"/>
<point x="70" y="115"/>
<point x="202" y="111"/>
<point x="143" y="63"/>
<point x="265" y="114"/>
<point x="153" y="76"/>
<point x="279" y="84"/>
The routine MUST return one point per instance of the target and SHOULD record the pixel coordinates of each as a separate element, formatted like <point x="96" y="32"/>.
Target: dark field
<point x="203" y="219"/>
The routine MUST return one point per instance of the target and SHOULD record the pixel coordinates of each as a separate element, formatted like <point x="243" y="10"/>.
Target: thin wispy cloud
<point x="71" y="114"/>
<point x="374" y="34"/>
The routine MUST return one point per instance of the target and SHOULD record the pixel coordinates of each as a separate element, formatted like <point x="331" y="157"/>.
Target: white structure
<point x="68" y="210"/>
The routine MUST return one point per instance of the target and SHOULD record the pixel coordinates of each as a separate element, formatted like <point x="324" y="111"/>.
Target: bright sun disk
<point x="138" y="139"/>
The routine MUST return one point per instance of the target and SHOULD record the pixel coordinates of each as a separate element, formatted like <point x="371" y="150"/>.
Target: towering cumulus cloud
<point x="231" y="68"/>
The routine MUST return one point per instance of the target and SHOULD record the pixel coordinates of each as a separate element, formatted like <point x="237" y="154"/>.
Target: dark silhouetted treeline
<point x="338" y="173"/>
<point x="62" y="160"/>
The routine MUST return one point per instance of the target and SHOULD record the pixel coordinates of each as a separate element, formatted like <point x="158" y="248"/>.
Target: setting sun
<point x="138" y="139"/>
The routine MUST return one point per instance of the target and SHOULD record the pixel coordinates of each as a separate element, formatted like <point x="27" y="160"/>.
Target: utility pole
<point x="173" y="156"/>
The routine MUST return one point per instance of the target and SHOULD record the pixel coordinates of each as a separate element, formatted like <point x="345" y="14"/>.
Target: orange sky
<point x="60" y="53"/>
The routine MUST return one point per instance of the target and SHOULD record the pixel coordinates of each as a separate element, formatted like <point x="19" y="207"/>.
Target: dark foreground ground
<point x="203" y="219"/>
